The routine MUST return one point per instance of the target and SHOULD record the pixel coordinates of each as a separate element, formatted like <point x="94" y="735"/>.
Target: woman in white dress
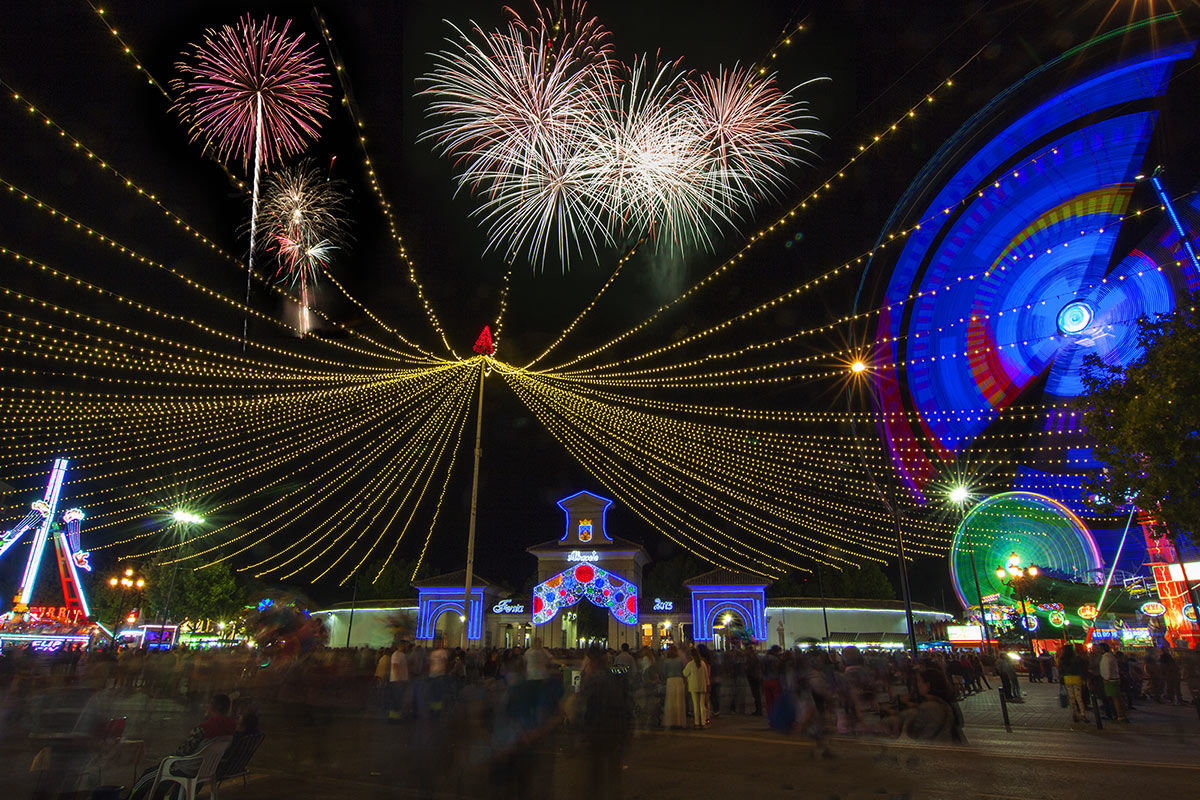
<point x="675" y="704"/>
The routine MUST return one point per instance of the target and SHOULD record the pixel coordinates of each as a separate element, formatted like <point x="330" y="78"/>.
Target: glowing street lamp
<point x="1013" y="574"/>
<point x="184" y="520"/>
<point x="859" y="369"/>
<point x="959" y="495"/>
<point x="128" y="582"/>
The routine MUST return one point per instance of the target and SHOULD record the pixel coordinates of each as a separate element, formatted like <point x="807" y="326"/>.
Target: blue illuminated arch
<point x="432" y="602"/>
<point x="708" y="602"/>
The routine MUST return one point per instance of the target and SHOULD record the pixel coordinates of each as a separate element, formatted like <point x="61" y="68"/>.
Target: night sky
<point x="879" y="58"/>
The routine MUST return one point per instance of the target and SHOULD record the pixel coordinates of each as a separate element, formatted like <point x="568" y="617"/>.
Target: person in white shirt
<point x="1111" y="674"/>
<point x="625" y="661"/>
<point x="537" y="662"/>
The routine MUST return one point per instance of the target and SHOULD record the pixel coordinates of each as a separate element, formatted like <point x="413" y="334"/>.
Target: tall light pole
<point x="960" y="495"/>
<point x="859" y="369"/>
<point x="466" y="615"/>
<point x="184" y="520"/>
<point x="1013" y="574"/>
<point x="127" y="583"/>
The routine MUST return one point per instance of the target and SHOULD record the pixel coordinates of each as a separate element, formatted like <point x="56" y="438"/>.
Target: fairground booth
<point x="589" y="591"/>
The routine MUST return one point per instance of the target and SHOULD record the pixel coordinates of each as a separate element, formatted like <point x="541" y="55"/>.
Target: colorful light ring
<point x="1039" y="529"/>
<point x="585" y="581"/>
<point x="1034" y="215"/>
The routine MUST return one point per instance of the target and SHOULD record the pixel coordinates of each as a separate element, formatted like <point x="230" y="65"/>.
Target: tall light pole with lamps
<point x="184" y="520"/>
<point x="127" y="582"/>
<point x="1013" y="574"/>
<point x="960" y="495"/>
<point x="859" y="369"/>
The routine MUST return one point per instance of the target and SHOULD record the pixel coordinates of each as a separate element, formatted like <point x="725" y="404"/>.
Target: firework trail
<point x="303" y="220"/>
<point x="252" y="91"/>
<point x="563" y="146"/>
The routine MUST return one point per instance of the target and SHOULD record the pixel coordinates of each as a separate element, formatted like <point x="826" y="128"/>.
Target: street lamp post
<point x="128" y="581"/>
<point x="960" y="495"/>
<point x="182" y="518"/>
<point x="859" y="368"/>
<point x="466" y="615"/>
<point x="1013" y="574"/>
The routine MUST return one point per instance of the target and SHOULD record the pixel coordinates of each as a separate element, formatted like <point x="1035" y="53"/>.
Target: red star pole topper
<point x="483" y="345"/>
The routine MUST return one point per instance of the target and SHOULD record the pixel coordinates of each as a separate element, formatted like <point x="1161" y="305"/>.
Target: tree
<point x="210" y="593"/>
<point x="395" y="581"/>
<point x="1145" y="421"/>
<point x="665" y="578"/>
<point x="868" y="582"/>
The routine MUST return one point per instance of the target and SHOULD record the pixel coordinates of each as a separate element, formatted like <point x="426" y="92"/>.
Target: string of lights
<point x="390" y="477"/>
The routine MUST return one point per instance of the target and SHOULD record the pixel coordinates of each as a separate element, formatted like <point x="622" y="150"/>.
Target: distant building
<point x="586" y="563"/>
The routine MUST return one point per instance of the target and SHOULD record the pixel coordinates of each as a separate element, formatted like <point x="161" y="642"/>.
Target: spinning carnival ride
<point x="49" y="626"/>
<point x="1015" y="268"/>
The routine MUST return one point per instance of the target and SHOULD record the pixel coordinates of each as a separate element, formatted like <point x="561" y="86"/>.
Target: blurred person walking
<point x="675" y="701"/>
<point x="695" y="672"/>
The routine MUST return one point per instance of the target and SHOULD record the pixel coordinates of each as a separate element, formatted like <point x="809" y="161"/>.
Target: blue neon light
<point x="605" y="505"/>
<point x="1175" y="221"/>
<point x="432" y="602"/>
<point x="748" y="602"/>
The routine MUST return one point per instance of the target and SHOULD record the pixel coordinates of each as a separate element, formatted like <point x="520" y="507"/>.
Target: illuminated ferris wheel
<point x="1011" y="264"/>
<point x="1010" y="272"/>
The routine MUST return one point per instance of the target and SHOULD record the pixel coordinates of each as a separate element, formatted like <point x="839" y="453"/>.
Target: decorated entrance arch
<point x="585" y="581"/>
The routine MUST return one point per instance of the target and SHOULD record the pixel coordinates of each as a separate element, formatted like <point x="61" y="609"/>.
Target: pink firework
<point x="247" y="72"/>
<point x="753" y="129"/>
<point x="252" y="89"/>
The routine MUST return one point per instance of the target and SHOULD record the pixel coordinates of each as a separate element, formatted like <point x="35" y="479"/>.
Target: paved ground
<point x="331" y="755"/>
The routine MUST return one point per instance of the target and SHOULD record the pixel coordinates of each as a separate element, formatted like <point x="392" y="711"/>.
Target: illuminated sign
<point x="507" y="606"/>
<point x="1153" y="609"/>
<point x="1050" y="607"/>
<point x="964" y="633"/>
<point x="1105" y="633"/>
<point x="585" y="530"/>
<point x="43" y="644"/>
<point x="1057" y="619"/>
<point x="663" y="605"/>
<point x="1031" y="623"/>
<point x="159" y="637"/>
<point x="1189" y="611"/>
<point x="1177" y="572"/>
<point x="579" y="557"/>
<point x="1088" y="611"/>
<point x="1136" y="637"/>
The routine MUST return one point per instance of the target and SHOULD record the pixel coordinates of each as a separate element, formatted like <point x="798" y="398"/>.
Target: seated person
<point x="217" y="722"/>
<point x="246" y="715"/>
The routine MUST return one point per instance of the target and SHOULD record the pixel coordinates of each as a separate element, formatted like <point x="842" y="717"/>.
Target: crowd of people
<point x="497" y="708"/>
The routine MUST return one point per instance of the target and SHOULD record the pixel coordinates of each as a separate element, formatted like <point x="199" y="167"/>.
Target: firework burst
<point x="252" y="89"/>
<point x="302" y="216"/>
<point x="565" y="147"/>
<point x="246" y="73"/>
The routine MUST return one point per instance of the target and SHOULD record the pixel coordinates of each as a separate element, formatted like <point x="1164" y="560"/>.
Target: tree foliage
<point x="1145" y="421"/>
<point x="868" y="582"/>
<point x="212" y="593"/>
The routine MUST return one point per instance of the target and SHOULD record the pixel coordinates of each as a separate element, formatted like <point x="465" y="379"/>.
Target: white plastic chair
<point x="204" y="763"/>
